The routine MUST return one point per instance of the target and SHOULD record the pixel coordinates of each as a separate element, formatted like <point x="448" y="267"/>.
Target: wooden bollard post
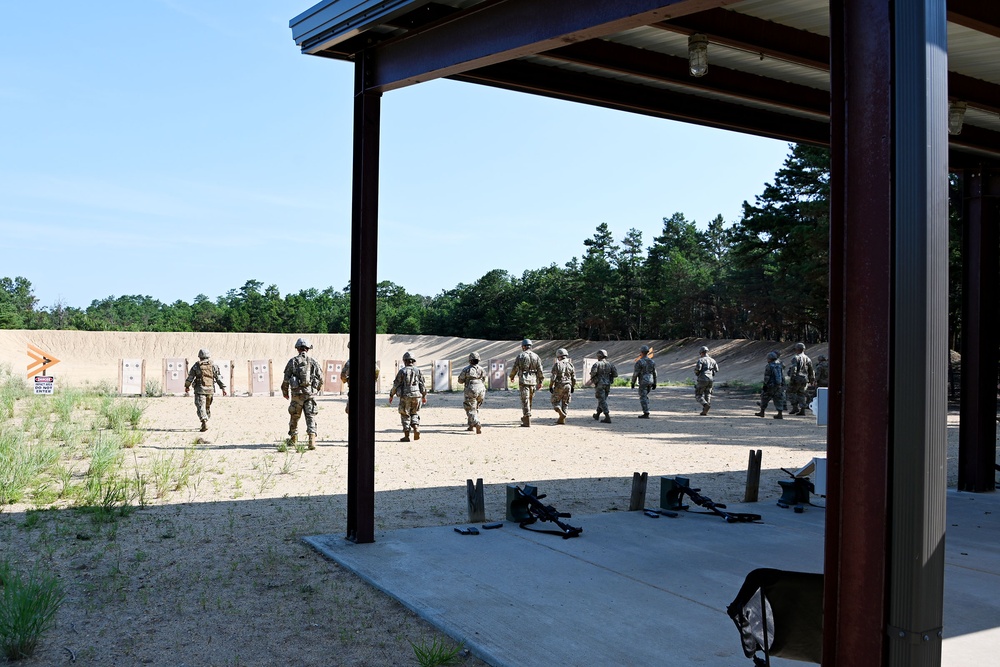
<point x="753" y="477"/>
<point x="638" y="500"/>
<point x="477" y="505"/>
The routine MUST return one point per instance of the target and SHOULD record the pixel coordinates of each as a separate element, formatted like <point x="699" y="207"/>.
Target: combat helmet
<point x="800" y="347"/>
<point x="703" y="348"/>
<point x="526" y="342"/>
<point x="772" y="356"/>
<point x="821" y="357"/>
<point x="302" y="343"/>
<point x="473" y="357"/>
<point x="561" y="352"/>
<point x="644" y="349"/>
<point x="204" y="354"/>
<point x="602" y="354"/>
<point x="408" y="357"/>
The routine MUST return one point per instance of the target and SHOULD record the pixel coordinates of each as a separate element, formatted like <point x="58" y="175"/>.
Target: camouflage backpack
<point x="302" y="375"/>
<point x="207" y="373"/>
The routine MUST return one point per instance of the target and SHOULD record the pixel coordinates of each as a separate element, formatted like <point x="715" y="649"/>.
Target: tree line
<point x="763" y="277"/>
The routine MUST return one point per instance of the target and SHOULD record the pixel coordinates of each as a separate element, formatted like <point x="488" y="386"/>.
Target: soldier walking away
<point x="303" y="379"/>
<point x="409" y="386"/>
<point x="603" y="375"/>
<point x="528" y="369"/>
<point x="345" y="377"/>
<point x="474" y="378"/>
<point x="822" y="369"/>
<point x="704" y="379"/>
<point x="204" y="375"/>
<point x="800" y="375"/>
<point x="774" y="386"/>
<point x="562" y="383"/>
<point x="644" y="374"/>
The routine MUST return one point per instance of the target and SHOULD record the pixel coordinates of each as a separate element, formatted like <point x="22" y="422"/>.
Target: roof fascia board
<point x="333" y="21"/>
<point x="495" y="32"/>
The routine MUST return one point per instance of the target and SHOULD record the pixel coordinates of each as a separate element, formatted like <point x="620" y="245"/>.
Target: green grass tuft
<point x="436" y="653"/>
<point x="28" y="606"/>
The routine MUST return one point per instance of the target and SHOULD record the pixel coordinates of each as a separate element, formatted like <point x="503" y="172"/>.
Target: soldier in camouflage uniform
<point x="800" y="375"/>
<point x="474" y="378"/>
<point x="528" y="369"/>
<point x="644" y="374"/>
<point x="704" y="379"/>
<point x="774" y="386"/>
<point x="204" y="375"/>
<point x="603" y="375"/>
<point x="303" y="379"/>
<point x="822" y="369"/>
<point x="345" y="377"/>
<point x="409" y="386"/>
<point x="562" y="383"/>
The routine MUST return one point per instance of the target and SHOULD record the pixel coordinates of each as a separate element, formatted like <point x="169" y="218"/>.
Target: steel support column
<point x="977" y="447"/>
<point x="364" y="252"/>
<point x="861" y="230"/>
<point x="920" y="340"/>
<point x="888" y="234"/>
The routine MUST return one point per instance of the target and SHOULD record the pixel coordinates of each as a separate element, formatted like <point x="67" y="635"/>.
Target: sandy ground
<point x="215" y="573"/>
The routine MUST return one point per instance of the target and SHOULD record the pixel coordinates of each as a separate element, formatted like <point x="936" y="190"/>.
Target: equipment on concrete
<point x="528" y="504"/>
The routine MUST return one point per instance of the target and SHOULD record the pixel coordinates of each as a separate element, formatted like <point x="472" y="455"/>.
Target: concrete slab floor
<point x="632" y="590"/>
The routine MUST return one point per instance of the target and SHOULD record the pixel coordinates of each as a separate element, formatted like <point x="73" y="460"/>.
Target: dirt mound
<point x="92" y="357"/>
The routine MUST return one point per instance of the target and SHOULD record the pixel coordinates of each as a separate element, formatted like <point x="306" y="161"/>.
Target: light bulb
<point x="697" y="54"/>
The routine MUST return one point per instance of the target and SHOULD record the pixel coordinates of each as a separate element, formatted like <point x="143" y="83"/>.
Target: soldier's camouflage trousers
<point x="298" y="405"/>
<point x="644" y="397"/>
<point x="527" y="396"/>
<point x="409" y="412"/>
<point x="776" y="394"/>
<point x="797" y="396"/>
<point x="601" y="392"/>
<point x="203" y="404"/>
<point x="561" y="396"/>
<point x="473" y="401"/>
<point x="703" y="391"/>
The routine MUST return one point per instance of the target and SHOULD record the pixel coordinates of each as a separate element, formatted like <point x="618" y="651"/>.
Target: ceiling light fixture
<point x="956" y="116"/>
<point x="697" y="54"/>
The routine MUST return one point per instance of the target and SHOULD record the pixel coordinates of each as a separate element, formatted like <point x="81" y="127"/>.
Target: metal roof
<point x="768" y="59"/>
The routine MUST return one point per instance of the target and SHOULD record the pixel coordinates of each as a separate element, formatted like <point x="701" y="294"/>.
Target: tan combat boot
<point x="312" y="441"/>
<point x="406" y="437"/>
<point x="291" y="440"/>
<point x="704" y="409"/>
<point x="479" y="429"/>
<point x="204" y="425"/>
<point x="416" y="433"/>
<point x="778" y="416"/>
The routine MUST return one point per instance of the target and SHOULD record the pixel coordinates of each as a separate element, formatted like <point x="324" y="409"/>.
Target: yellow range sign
<point x="41" y="360"/>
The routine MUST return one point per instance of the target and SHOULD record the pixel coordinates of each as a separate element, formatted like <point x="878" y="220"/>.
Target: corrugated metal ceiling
<point x="656" y="53"/>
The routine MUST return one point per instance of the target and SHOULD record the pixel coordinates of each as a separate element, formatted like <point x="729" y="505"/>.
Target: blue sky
<point x="172" y="148"/>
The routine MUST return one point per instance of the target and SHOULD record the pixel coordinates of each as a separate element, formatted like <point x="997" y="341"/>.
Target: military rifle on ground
<point x="717" y="508"/>
<point x="538" y="511"/>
